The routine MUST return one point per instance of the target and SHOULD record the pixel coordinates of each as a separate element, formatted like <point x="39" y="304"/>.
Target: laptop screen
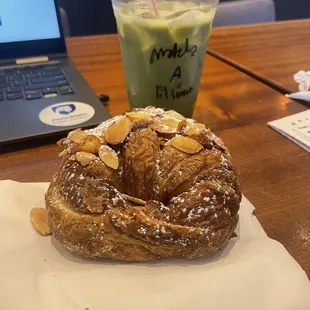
<point x="28" y="20"/>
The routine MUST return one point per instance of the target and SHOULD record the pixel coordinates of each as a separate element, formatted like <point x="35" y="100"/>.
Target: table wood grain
<point x="275" y="171"/>
<point x="271" y="52"/>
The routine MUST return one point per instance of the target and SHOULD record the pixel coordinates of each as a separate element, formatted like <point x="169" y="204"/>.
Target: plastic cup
<point x="163" y="50"/>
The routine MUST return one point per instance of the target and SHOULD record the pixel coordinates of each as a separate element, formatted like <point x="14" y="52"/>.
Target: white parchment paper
<point x="252" y="272"/>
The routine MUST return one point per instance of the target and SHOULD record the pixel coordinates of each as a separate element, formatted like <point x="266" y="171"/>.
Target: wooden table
<point x="275" y="171"/>
<point x="269" y="52"/>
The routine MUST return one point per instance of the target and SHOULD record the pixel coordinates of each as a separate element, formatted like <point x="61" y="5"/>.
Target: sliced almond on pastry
<point x="72" y="157"/>
<point x="38" y="217"/>
<point x="137" y="116"/>
<point x="175" y="114"/>
<point x="109" y="156"/>
<point x="171" y="122"/>
<point x="193" y="128"/>
<point x="61" y="142"/>
<point x="135" y="200"/>
<point x="85" y="158"/>
<point x="91" y="144"/>
<point x="64" y="153"/>
<point x="186" y="145"/>
<point x="165" y="125"/>
<point x="118" y="131"/>
<point x="77" y="136"/>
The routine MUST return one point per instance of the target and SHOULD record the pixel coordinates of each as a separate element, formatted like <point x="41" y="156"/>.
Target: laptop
<point x="41" y="91"/>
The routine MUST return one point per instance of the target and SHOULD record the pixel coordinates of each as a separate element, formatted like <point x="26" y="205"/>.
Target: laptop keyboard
<point x="33" y="82"/>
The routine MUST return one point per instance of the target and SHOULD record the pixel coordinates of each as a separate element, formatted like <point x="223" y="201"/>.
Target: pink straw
<point x="154" y="7"/>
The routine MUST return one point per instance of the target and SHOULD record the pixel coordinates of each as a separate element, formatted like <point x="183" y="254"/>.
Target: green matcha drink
<point x="163" y="54"/>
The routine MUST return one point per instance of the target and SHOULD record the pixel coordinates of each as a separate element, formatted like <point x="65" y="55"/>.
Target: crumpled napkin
<point x="252" y="272"/>
<point x="303" y="79"/>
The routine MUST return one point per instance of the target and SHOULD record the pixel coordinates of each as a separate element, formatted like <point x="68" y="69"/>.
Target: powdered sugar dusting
<point x="142" y="230"/>
<point x="224" y="162"/>
<point x="177" y="200"/>
<point x="101" y="129"/>
<point x="105" y="149"/>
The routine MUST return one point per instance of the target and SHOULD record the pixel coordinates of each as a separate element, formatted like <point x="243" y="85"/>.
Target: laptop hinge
<point x="31" y="60"/>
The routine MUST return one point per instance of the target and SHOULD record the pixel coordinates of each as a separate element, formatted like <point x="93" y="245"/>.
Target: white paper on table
<point x="252" y="272"/>
<point x="295" y="127"/>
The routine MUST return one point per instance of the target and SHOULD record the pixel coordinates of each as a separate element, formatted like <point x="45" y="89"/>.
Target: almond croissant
<point x="142" y="186"/>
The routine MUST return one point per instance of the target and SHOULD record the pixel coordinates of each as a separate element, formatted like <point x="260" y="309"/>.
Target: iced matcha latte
<point x="163" y="54"/>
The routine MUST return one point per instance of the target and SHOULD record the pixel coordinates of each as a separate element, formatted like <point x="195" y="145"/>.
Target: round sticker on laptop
<point x="66" y="114"/>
